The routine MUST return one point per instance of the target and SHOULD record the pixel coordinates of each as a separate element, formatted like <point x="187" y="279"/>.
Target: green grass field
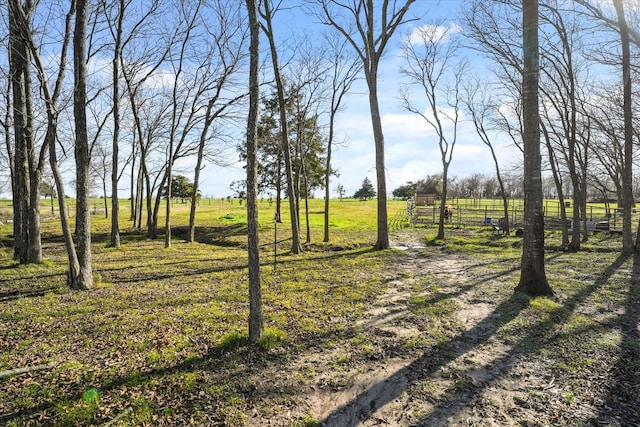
<point x="162" y="338"/>
<point x="154" y="308"/>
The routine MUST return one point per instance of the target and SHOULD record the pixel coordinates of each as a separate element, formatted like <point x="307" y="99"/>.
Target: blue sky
<point x="411" y="150"/>
<point x="411" y="146"/>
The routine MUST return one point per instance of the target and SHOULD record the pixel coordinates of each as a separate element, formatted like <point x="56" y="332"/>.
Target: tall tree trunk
<point x="443" y="200"/>
<point x="327" y="195"/>
<point x="115" y="163"/>
<point x="155" y="206"/>
<point x="72" y="256"/>
<point x="152" y="220"/>
<point x="553" y="163"/>
<point x="344" y="73"/>
<point x="627" y="171"/>
<point x="533" y="279"/>
<point x="296" y="246"/>
<point x="139" y="196"/>
<point x="133" y="190"/>
<point x="370" y="48"/>
<point x="34" y="250"/>
<point x="83" y="225"/>
<point x="167" y="219"/>
<point x="306" y="201"/>
<point x="255" y="292"/>
<point x="34" y="242"/>
<point x="327" y="179"/>
<point x="30" y="242"/>
<point x="382" y="240"/>
<point x="6" y="127"/>
<point x="191" y="232"/>
<point x="279" y="188"/>
<point x="18" y="55"/>
<point x="578" y="213"/>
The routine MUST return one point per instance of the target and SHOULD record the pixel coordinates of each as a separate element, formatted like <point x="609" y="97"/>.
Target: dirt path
<point x="382" y="394"/>
<point x="389" y="391"/>
<point x="447" y="344"/>
<point x="472" y="379"/>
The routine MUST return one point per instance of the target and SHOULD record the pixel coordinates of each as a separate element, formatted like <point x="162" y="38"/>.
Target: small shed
<point x="425" y="199"/>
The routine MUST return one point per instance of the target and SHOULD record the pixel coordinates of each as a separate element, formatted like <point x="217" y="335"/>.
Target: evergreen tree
<point x="365" y="192"/>
<point x="181" y="188"/>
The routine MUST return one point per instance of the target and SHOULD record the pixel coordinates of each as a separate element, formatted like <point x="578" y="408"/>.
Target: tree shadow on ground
<point x="216" y="360"/>
<point x="622" y="402"/>
<point x="533" y="340"/>
<point x="380" y="394"/>
<point x="217" y="236"/>
<point x="375" y="397"/>
<point x="246" y="359"/>
<point x="194" y="267"/>
<point x="12" y="295"/>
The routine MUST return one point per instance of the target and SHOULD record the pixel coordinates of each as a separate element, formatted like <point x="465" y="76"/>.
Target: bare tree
<point x="179" y="108"/>
<point x="482" y="110"/>
<point x="628" y="35"/>
<point x="551" y="143"/>
<point x="368" y="28"/>
<point x="255" y="292"/>
<point x="344" y="72"/>
<point x="117" y="34"/>
<point x="308" y="87"/>
<point x="84" y="280"/>
<point x="562" y="78"/>
<point x="430" y="59"/>
<point x="606" y="120"/>
<point x="596" y="10"/>
<point x="627" y="172"/>
<point x="147" y="116"/>
<point x="27" y="168"/>
<point x="494" y="29"/>
<point x="226" y="44"/>
<point x="5" y="125"/>
<point x="533" y="278"/>
<point x="126" y="53"/>
<point x="53" y="107"/>
<point x="266" y="13"/>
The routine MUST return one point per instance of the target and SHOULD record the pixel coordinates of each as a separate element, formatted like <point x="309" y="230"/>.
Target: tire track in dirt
<point x="389" y="393"/>
<point x="390" y="314"/>
<point x="402" y="386"/>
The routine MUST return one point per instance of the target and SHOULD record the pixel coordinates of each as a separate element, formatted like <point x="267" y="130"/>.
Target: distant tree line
<point x="486" y="186"/>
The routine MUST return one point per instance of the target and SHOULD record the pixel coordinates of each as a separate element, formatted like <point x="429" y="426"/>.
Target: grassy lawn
<point x="158" y="313"/>
<point x="162" y="338"/>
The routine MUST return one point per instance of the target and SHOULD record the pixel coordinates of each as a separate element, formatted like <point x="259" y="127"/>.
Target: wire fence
<point x="478" y="213"/>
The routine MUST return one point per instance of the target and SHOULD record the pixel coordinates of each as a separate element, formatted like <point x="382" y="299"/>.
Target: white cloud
<point x="405" y="126"/>
<point x="435" y="33"/>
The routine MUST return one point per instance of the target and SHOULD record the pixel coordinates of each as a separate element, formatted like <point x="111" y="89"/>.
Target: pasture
<point x="430" y="335"/>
